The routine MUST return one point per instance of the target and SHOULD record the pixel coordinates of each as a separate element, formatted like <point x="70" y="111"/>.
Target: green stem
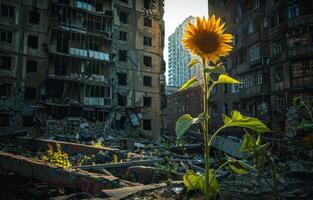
<point x="275" y="179"/>
<point x="218" y="169"/>
<point x="206" y="131"/>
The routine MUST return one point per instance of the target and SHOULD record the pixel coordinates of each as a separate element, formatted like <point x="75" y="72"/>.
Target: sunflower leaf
<point x="239" y="166"/>
<point x="189" y="83"/>
<point x="238" y="120"/>
<point x="193" y="63"/>
<point x="248" y="143"/>
<point x="223" y="78"/>
<point x="193" y="181"/>
<point x="185" y="122"/>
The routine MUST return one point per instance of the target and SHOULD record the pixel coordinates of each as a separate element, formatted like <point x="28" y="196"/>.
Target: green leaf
<point x="223" y="78"/>
<point x="189" y="83"/>
<point x="239" y="166"/>
<point x="193" y="63"/>
<point x="238" y="120"/>
<point x="193" y="181"/>
<point x="184" y="123"/>
<point x="248" y="143"/>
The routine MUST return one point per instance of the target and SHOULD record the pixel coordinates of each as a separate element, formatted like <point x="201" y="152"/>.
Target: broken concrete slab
<point x="72" y="178"/>
<point x="125" y="192"/>
<point x="68" y="147"/>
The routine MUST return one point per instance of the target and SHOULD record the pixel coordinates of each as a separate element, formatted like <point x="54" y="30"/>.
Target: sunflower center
<point x="207" y="42"/>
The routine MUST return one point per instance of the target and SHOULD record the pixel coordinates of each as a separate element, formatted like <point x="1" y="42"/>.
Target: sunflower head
<point x="206" y="39"/>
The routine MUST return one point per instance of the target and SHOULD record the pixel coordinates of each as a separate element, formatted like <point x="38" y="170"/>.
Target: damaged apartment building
<point x="272" y="57"/>
<point x="97" y="59"/>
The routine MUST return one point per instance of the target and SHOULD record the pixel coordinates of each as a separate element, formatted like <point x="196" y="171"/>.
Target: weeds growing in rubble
<point x="206" y="39"/>
<point x="57" y="157"/>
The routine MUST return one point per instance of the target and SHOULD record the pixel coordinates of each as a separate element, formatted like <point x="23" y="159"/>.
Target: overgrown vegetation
<point x="56" y="156"/>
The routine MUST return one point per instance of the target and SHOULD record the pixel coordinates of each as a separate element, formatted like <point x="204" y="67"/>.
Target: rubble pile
<point x="74" y="129"/>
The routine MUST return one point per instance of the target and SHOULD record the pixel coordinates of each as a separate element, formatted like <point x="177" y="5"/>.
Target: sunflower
<point x="206" y="38"/>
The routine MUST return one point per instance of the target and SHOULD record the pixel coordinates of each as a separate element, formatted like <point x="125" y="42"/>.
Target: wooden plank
<point x="72" y="178"/>
<point x="68" y="147"/>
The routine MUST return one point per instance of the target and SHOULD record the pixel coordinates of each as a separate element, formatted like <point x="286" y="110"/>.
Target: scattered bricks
<point x="71" y="178"/>
<point x="142" y="174"/>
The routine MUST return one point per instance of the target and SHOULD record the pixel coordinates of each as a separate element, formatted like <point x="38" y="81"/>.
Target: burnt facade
<point x="90" y="58"/>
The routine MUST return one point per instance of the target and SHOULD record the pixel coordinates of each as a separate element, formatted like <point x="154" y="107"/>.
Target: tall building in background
<point x="99" y="59"/>
<point x="272" y="57"/>
<point x="179" y="57"/>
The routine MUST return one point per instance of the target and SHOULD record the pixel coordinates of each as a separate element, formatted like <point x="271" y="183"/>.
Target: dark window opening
<point x="225" y="109"/>
<point x="123" y="36"/>
<point x="122" y="55"/>
<point x="7" y="11"/>
<point x="124" y="17"/>
<point x="99" y="7"/>
<point x="124" y="1"/>
<point x="31" y="66"/>
<point x="4" y="120"/>
<point x="147" y="22"/>
<point x="147" y="4"/>
<point x="34" y="17"/>
<point x="5" y="36"/>
<point x="122" y="78"/>
<point x="30" y="93"/>
<point x="147" y="125"/>
<point x="5" y="90"/>
<point x="147" y="41"/>
<point x="121" y="100"/>
<point x="147" y="101"/>
<point x="147" y="81"/>
<point x="62" y="45"/>
<point x="147" y="61"/>
<point x="5" y="62"/>
<point x="32" y="41"/>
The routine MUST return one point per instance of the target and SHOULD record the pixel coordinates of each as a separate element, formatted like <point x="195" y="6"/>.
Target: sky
<point x="176" y="11"/>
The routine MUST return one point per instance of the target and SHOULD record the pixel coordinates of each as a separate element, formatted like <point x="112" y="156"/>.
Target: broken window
<point x="147" y="81"/>
<point x="34" y="17"/>
<point x="124" y="17"/>
<point x="32" y="41"/>
<point x="5" y="62"/>
<point x="30" y="93"/>
<point x="147" y="101"/>
<point x="147" y="41"/>
<point x="122" y="78"/>
<point x="147" y="61"/>
<point x="7" y="10"/>
<point x="122" y="55"/>
<point x="31" y="66"/>
<point x="123" y="36"/>
<point x="62" y="44"/>
<point x="147" y="22"/>
<point x="121" y="100"/>
<point x="147" y="125"/>
<point x="225" y="88"/>
<point x="5" y="36"/>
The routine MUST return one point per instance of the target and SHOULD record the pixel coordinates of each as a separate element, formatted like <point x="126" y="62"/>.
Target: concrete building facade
<point x="98" y="59"/>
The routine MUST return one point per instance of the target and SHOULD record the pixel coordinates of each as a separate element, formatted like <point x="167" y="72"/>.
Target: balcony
<point x="302" y="50"/>
<point x="97" y="101"/>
